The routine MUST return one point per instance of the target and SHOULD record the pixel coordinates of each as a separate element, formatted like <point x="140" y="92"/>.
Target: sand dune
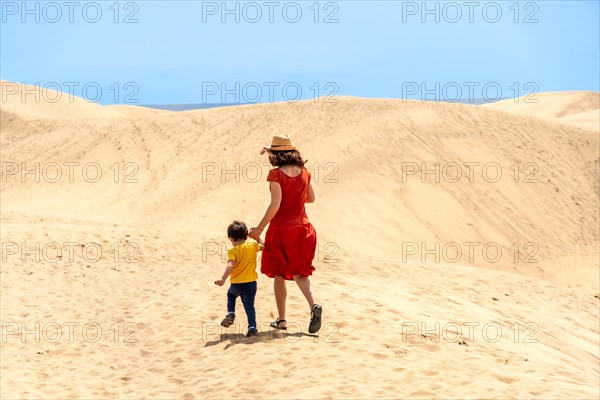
<point x="580" y="109"/>
<point x="387" y="256"/>
<point x="34" y="102"/>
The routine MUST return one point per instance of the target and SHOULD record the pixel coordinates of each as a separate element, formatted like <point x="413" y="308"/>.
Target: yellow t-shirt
<point x="244" y="262"/>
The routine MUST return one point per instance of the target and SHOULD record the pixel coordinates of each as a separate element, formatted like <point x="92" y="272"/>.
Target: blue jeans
<point x="247" y="291"/>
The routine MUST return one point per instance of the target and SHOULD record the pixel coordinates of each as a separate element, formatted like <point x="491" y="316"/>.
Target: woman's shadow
<point x="264" y="336"/>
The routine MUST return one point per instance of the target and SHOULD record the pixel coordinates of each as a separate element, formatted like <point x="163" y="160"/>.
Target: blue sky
<point x="193" y="52"/>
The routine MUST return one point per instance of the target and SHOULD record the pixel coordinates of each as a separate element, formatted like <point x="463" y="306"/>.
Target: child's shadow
<point x="261" y="337"/>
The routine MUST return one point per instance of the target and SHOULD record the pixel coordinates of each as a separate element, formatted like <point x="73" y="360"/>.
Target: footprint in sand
<point x="176" y="362"/>
<point x="176" y="381"/>
<point x="422" y="393"/>
<point x="379" y="356"/>
<point x="505" y="379"/>
<point x="145" y="353"/>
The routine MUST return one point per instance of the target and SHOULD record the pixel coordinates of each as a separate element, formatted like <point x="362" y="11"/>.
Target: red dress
<point x="291" y="240"/>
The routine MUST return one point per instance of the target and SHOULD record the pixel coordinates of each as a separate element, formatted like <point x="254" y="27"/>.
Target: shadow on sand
<point x="262" y="337"/>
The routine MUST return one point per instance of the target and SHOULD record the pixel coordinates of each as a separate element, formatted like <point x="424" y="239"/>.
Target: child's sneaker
<point x="252" y="332"/>
<point x="228" y="320"/>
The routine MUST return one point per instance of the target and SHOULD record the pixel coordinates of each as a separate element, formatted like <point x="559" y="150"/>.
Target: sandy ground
<point x="434" y="284"/>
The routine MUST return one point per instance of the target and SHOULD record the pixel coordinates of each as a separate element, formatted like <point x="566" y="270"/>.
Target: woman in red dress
<point x="291" y="240"/>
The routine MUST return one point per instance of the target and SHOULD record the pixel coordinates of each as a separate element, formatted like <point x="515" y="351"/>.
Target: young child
<point x="241" y="264"/>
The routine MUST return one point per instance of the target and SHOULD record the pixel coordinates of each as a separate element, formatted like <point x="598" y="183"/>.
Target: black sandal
<point x="275" y="324"/>
<point x="315" y="319"/>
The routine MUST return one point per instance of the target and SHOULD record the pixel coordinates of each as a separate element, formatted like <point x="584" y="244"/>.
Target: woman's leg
<point x="280" y="295"/>
<point x="315" y="310"/>
<point x="304" y="284"/>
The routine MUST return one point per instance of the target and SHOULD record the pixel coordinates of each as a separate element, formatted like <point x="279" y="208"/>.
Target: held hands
<point x="220" y="282"/>
<point x="255" y="232"/>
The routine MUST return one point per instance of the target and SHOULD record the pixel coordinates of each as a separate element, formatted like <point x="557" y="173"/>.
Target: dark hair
<point x="237" y="230"/>
<point x="286" y="157"/>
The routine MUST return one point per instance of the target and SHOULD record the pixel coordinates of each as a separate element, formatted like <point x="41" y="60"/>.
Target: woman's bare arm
<point x="310" y="195"/>
<point x="273" y="207"/>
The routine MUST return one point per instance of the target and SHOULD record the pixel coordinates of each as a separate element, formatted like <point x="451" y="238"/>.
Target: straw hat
<point x="280" y="143"/>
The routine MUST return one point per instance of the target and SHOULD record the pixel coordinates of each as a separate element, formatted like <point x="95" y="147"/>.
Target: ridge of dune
<point x="31" y="102"/>
<point x="588" y="120"/>
<point x="581" y="109"/>
<point x="134" y="111"/>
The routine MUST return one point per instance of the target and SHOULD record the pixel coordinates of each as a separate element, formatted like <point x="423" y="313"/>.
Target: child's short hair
<point x="237" y="230"/>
